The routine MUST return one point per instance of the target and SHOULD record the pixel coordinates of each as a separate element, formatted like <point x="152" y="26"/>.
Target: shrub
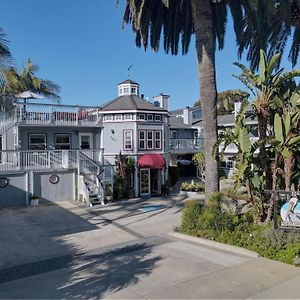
<point x="212" y="223"/>
<point x="190" y="216"/>
<point x="193" y="186"/>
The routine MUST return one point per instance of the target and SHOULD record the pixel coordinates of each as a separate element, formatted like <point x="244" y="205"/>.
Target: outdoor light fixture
<point x="112" y="131"/>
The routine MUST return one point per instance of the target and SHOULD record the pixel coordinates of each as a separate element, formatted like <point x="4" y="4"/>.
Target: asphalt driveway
<point x="125" y="251"/>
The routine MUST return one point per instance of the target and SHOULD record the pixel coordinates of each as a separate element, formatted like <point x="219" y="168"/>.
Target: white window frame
<point x="143" y="140"/>
<point x="142" y="118"/>
<point x="157" y="140"/>
<point x="127" y="117"/>
<point x="35" y="144"/>
<point x="158" y="118"/>
<point x="149" y="115"/>
<point x="62" y="144"/>
<point x="118" y="117"/>
<point x="152" y="139"/>
<point x="109" y="117"/>
<point x="127" y="142"/>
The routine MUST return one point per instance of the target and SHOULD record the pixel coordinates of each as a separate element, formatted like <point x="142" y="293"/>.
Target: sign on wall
<point x="3" y="182"/>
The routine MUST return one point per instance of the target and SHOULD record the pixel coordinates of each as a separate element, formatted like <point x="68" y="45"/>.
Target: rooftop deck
<point x="55" y="115"/>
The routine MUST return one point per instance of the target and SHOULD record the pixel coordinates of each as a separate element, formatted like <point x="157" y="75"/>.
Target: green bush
<point x="190" y="216"/>
<point x="193" y="186"/>
<point x="210" y="222"/>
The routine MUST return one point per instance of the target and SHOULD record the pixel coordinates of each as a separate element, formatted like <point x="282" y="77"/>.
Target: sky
<point x="81" y="46"/>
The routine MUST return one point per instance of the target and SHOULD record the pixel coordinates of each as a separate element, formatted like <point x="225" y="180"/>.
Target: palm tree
<point x="178" y="20"/>
<point x="267" y="25"/>
<point x="26" y="80"/>
<point x="5" y="56"/>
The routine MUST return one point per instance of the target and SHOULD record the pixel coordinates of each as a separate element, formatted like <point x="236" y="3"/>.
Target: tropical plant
<point x="267" y="25"/>
<point x="26" y="80"/>
<point x="265" y="88"/>
<point x="199" y="160"/>
<point x="285" y="141"/>
<point x="247" y="169"/>
<point x="177" y="21"/>
<point x="5" y="56"/>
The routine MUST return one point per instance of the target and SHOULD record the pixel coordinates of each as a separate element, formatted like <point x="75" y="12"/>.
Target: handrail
<point x="58" y="105"/>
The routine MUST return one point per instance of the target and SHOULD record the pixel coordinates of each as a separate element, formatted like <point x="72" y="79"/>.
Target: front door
<point x="85" y="141"/>
<point x="145" y="181"/>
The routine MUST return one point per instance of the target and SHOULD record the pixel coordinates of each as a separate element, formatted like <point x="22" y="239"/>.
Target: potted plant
<point x="34" y="200"/>
<point x="108" y="192"/>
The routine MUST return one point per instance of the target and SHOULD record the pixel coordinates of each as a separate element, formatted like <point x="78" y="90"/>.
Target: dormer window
<point x="150" y="117"/>
<point x="133" y="90"/>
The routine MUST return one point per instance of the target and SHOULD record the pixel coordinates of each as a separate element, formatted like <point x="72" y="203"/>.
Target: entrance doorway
<point x="150" y="182"/>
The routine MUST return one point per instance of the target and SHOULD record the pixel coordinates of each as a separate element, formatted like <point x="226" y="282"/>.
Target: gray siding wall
<point x="50" y="134"/>
<point x="14" y="194"/>
<point x="63" y="190"/>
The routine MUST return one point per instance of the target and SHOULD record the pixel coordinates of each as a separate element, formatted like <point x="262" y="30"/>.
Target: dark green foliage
<point x="119" y="185"/>
<point x="190" y="216"/>
<point x="210" y="222"/>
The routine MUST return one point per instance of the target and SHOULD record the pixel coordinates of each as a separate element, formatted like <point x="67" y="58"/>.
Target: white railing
<point x="186" y="145"/>
<point x="63" y="115"/>
<point x="11" y="160"/>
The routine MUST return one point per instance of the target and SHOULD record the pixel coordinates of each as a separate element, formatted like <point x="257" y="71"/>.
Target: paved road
<point x="124" y="251"/>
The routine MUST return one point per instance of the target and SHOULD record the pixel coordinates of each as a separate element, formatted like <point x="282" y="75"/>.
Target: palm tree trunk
<point x="274" y="186"/>
<point x="205" y="47"/>
<point x="288" y="170"/>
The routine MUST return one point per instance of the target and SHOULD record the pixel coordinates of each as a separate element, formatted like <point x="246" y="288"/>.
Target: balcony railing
<point x="186" y="145"/>
<point x="45" y="159"/>
<point x="49" y="114"/>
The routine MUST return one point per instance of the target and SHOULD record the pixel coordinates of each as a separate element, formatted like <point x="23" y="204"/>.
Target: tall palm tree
<point x="26" y="80"/>
<point x="5" y="56"/>
<point x="178" y="20"/>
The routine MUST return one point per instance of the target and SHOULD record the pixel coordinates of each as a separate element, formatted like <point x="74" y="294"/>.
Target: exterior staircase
<point x="92" y="172"/>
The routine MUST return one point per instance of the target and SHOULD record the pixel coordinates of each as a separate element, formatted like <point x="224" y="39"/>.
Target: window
<point x="128" y="117"/>
<point x="62" y="141"/>
<point x="150" y="139"/>
<point x="157" y="117"/>
<point x="173" y="134"/>
<point x="127" y="139"/>
<point x="120" y="91"/>
<point x="141" y="116"/>
<point x="118" y="117"/>
<point x="37" y="141"/>
<point x="150" y="117"/>
<point x="133" y="90"/>
<point x="108" y="117"/>
<point x="126" y="90"/>
<point x="157" y="139"/>
<point x="142" y="139"/>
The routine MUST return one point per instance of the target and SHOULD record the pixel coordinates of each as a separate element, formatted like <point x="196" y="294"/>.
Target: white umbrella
<point x="29" y="95"/>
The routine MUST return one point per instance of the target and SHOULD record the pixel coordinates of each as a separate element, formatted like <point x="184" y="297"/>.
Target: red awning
<point x="154" y="161"/>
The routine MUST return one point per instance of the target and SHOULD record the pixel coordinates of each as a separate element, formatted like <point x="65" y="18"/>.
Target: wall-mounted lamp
<point x="112" y="131"/>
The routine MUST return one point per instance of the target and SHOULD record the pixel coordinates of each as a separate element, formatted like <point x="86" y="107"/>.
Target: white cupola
<point x="128" y="87"/>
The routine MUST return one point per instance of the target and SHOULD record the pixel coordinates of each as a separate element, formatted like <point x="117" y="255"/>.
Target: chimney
<point x="163" y="100"/>
<point x="187" y="116"/>
<point x="237" y="108"/>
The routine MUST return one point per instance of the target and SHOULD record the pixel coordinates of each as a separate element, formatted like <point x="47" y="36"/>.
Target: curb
<point x="213" y="244"/>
